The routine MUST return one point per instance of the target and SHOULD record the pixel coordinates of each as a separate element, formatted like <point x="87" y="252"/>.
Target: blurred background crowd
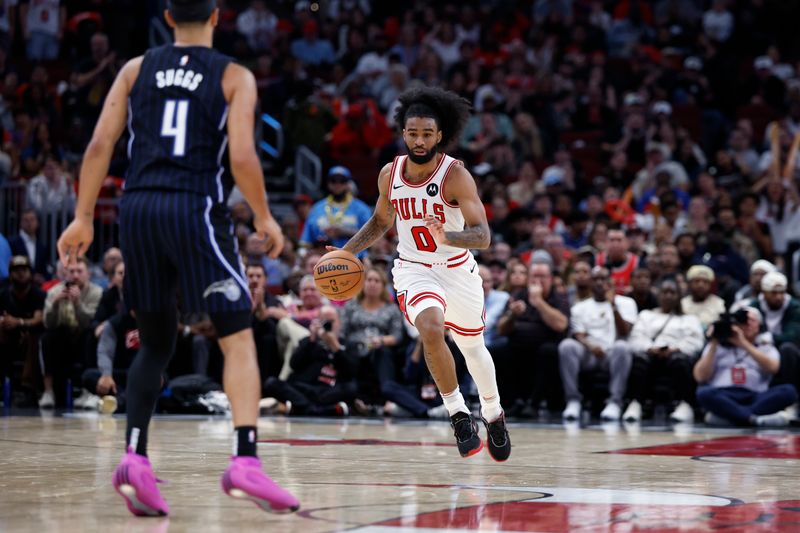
<point x="637" y="160"/>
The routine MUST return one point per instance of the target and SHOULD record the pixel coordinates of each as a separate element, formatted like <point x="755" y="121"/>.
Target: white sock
<point x="455" y="402"/>
<point x="481" y="368"/>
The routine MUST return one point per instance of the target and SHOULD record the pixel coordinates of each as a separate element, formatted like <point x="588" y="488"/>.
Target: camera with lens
<point x="327" y="325"/>
<point x="723" y="327"/>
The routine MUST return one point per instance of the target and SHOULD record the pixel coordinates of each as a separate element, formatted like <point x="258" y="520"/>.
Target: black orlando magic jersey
<point x="177" y="118"/>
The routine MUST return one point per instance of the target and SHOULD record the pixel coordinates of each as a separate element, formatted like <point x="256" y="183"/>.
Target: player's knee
<point x="467" y="341"/>
<point x="430" y="326"/>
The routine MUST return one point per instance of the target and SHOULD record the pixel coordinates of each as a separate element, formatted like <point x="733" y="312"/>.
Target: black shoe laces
<point x="463" y="428"/>
<point x="497" y="431"/>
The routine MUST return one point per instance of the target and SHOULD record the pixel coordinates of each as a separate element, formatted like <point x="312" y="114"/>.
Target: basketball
<point x="339" y="275"/>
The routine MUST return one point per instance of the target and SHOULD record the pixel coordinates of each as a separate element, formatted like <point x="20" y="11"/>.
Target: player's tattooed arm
<point x="380" y="221"/>
<point x="460" y="189"/>
<point x="472" y="237"/>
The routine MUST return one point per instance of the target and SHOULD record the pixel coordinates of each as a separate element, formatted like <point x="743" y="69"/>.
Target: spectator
<point x="111" y="301"/>
<point x="734" y="378"/>
<point x="618" y="260"/>
<point x="642" y="289"/>
<point x="312" y="50"/>
<point x="700" y="302"/>
<point x="51" y="191"/>
<point x="294" y="321"/>
<point x="581" y="287"/>
<point x="339" y="216"/>
<point x="757" y="272"/>
<point x="95" y="75"/>
<point x="28" y="244"/>
<point x="68" y="311"/>
<point x="43" y="24"/>
<point x="103" y="275"/>
<point x="718" y="21"/>
<point x="265" y="321"/>
<point x="257" y="24"/>
<point x="323" y="372"/>
<point x="600" y="327"/>
<point x="781" y="313"/>
<point x="536" y="315"/>
<point x="496" y="301"/>
<point x="105" y="380"/>
<point x="665" y="343"/>
<point x="21" y="306"/>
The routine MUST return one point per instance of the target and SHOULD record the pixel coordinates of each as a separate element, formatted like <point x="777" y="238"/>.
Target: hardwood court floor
<point x="389" y="477"/>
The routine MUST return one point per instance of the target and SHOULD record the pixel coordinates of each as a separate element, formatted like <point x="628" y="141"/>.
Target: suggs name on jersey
<point x="188" y="79"/>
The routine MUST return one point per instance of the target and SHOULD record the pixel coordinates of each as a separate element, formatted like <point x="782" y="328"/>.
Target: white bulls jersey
<point x="412" y="202"/>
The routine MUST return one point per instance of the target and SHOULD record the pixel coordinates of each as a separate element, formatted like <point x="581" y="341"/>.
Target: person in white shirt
<point x="600" y="327"/>
<point x="735" y="377"/>
<point x="665" y="342"/>
<point x="700" y="302"/>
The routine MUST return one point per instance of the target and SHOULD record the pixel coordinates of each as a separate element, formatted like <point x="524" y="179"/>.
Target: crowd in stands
<point x="637" y="161"/>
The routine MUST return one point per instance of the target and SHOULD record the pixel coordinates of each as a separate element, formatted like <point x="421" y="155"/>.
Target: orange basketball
<point x="339" y="275"/>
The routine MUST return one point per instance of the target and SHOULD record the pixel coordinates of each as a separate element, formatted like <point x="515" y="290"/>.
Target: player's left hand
<point x="268" y="228"/>
<point x="436" y="228"/>
<point x="75" y="240"/>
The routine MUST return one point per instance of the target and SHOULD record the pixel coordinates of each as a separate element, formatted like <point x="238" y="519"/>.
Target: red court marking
<point x="567" y="517"/>
<point x="352" y="442"/>
<point x="771" y="447"/>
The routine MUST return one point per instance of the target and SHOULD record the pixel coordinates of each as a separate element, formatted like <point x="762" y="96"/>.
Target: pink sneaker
<point x="135" y="481"/>
<point x="245" y="480"/>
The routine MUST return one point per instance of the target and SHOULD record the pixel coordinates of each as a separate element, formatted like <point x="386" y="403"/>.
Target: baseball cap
<point x="700" y="272"/>
<point x="19" y="261"/>
<point x="553" y="175"/>
<point x="541" y="257"/>
<point x="340" y="170"/>
<point x="774" y="281"/>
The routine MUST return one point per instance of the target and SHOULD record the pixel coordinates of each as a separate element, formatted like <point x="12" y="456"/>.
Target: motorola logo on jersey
<point x="187" y="79"/>
<point x="408" y="208"/>
<point x="432" y="189"/>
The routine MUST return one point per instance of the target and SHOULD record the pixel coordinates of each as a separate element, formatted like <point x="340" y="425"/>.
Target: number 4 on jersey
<point x="173" y="124"/>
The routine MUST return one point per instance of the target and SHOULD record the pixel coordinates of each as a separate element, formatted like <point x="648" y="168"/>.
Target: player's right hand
<point x="268" y="228"/>
<point x="75" y="240"/>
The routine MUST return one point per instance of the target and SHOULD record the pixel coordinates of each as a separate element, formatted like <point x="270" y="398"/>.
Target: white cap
<point x="693" y="63"/>
<point x="763" y="265"/>
<point x="774" y="281"/>
<point x="662" y="106"/>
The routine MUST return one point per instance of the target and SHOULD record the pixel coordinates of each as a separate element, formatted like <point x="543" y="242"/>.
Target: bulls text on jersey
<point x="407" y="209"/>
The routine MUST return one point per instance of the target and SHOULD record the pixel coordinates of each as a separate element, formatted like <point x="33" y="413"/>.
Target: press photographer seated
<point x="735" y="370"/>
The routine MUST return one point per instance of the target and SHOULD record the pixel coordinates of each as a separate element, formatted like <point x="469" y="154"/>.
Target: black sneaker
<point x="466" y="432"/>
<point x="497" y="439"/>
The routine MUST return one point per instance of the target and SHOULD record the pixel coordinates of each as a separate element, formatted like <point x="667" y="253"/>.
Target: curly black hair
<point x="449" y="110"/>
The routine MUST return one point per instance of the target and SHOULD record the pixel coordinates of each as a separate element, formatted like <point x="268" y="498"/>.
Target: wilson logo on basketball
<point x="331" y="268"/>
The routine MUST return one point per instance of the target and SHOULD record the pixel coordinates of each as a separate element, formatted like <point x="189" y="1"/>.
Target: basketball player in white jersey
<point x="440" y="217"/>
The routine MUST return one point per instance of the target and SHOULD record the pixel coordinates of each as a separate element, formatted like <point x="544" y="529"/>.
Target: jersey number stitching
<point x="173" y="124"/>
<point x="423" y="239"/>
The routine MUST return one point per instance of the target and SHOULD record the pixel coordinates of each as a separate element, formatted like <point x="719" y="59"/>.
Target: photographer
<point x="322" y="372"/>
<point x="734" y="374"/>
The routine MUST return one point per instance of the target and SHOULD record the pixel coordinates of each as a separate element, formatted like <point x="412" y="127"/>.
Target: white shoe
<point x="791" y="412"/>
<point x="47" y="401"/>
<point x="611" y="412"/>
<point x="439" y="412"/>
<point x="394" y="410"/>
<point x="86" y="400"/>
<point x="682" y="413"/>
<point x="573" y="411"/>
<point x="778" y="419"/>
<point x="633" y="413"/>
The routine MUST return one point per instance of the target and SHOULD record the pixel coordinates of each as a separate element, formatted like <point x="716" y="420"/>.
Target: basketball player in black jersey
<point x="190" y="114"/>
